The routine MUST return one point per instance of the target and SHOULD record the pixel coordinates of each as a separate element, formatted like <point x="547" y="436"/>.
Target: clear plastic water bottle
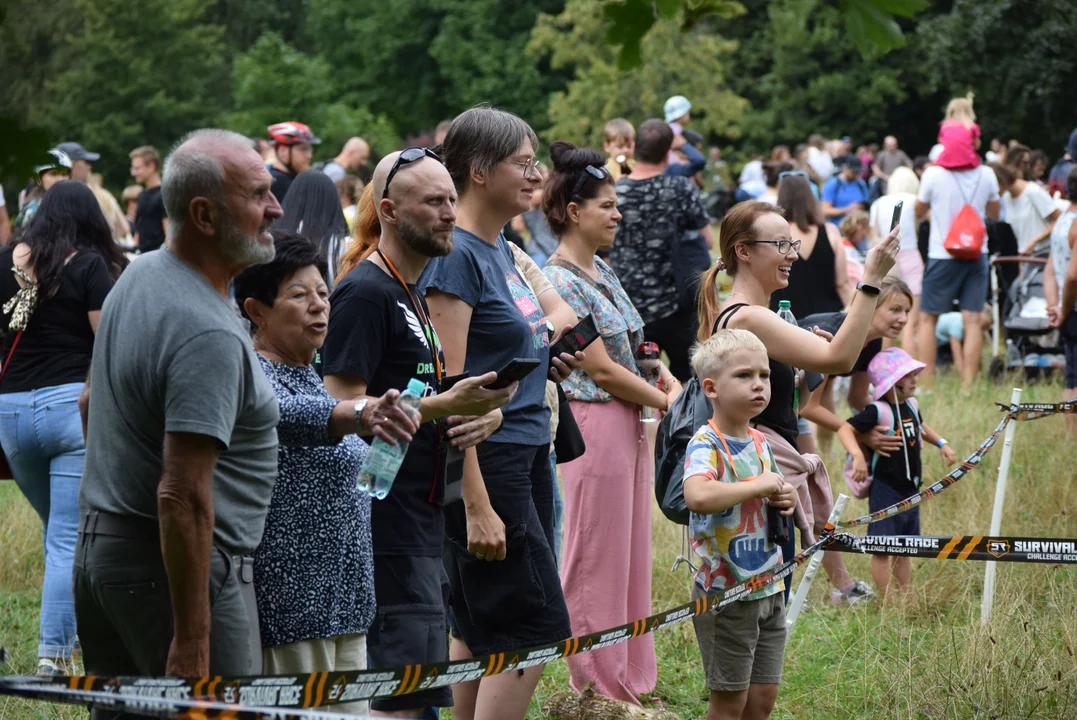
<point x="649" y="362"/>
<point x="786" y="313"/>
<point x="1013" y="357"/>
<point x="383" y="460"/>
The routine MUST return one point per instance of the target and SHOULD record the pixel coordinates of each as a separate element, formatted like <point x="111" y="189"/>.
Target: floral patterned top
<point x="314" y="570"/>
<point x="620" y="325"/>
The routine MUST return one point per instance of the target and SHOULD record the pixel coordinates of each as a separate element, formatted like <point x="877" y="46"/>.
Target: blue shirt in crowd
<point x="842" y="194"/>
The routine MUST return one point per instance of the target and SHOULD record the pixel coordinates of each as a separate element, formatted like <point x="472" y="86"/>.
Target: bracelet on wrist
<point x="360" y="406"/>
<point x="940" y="442"/>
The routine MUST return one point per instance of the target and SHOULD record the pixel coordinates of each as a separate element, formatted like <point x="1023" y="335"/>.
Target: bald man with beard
<point x="380" y="337"/>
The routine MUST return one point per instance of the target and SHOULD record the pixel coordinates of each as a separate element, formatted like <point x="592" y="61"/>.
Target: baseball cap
<point x="850" y="161"/>
<point x="76" y="152"/>
<point x="677" y="106"/>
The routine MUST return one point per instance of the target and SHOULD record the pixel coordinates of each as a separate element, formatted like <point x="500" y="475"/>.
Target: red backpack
<point x="965" y="238"/>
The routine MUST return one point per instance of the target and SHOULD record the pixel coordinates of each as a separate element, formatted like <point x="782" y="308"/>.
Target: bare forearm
<point x="824" y="418"/>
<point x="474" y="489"/>
<point x="705" y="496"/>
<point x="930" y="436"/>
<point x="847" y="435"/>
<point x="84" y="406"/>
<point x="186" y="521"/>
<point x="626" y="385"/>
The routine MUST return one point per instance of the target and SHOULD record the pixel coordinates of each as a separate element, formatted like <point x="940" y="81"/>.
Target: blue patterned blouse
<point x="314" y="570"/>
<point x="620" y="325"/>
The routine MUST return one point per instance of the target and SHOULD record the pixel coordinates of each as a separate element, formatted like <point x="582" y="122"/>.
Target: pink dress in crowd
<point x="959" y="146"/>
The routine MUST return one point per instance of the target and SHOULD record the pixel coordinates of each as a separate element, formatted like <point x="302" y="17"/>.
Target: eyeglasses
<point x="598" y="173"/>
<point x="785" y="247"/>
<point x="529" y="166"/>
<point x="407" y="157"/>
<point x="791" y="173"/>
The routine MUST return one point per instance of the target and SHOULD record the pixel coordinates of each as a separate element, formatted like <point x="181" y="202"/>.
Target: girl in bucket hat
<point x="887" y="479"/>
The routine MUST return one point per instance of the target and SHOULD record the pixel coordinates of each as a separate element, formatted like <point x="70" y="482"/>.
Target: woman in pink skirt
<point x="606" y="566"/>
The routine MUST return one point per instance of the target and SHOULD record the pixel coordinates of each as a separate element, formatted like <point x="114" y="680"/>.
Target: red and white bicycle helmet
<point x="291" y="133"/>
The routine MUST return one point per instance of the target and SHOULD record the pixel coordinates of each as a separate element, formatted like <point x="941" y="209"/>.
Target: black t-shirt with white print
<point x="375" y="334"/>
<point x="891" y="470"/>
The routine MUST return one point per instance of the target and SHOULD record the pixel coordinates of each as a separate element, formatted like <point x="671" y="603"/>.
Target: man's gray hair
<point x="193" y="169"/>
<point x="479" y="139"/>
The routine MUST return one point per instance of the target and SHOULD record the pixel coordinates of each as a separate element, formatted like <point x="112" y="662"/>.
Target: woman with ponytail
<point x="608" y="491"/>
<point x="758" y="251"/>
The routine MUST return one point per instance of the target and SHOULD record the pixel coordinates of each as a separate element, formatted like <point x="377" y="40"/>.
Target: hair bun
<point x="566" y="157"/>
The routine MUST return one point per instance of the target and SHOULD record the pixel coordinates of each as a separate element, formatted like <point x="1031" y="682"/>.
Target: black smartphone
<point x="516" y="369"/>
<point x="448" y="382"/>
<point x="576" y="339"/>
<point x="897" y="215"/>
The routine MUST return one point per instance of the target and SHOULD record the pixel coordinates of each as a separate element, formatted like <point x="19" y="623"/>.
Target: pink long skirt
<point x="606" y="561"/>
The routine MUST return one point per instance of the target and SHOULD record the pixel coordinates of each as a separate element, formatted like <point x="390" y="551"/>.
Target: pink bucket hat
<point x="888" y="367"/>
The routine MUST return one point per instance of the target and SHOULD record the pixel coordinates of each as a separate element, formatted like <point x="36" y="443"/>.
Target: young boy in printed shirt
<point x="729" y="479"/>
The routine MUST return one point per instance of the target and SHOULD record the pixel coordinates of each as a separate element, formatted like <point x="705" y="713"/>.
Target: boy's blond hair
<point x="853" y="219"/>
<point x="618" y="128"/>
<point x="711" y="355"/>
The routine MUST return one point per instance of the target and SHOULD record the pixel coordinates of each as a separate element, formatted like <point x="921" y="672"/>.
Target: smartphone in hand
<point x="897" y="215"/>
<point x="576" y="339"/>
<point x="515" y="370"/>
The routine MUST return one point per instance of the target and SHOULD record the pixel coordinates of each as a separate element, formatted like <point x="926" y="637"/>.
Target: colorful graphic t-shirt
<point x="734" y="544"/>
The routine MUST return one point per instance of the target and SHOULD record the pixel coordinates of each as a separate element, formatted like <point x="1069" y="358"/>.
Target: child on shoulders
<point x="959" y="136"/>
<point x="730" y="479"/>
<point x="893" y="375"/>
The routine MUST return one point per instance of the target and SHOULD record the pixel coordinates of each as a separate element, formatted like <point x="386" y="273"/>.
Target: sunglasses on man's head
<point x="598" y="173"/>
<point x="407" y="157"/>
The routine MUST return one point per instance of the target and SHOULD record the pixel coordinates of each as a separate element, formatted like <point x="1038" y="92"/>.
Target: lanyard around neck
<point x="420" y="313"/>
<point x="729" y="454"/>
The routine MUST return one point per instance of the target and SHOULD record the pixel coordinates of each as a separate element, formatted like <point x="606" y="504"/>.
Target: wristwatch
<point x="941" y="442"/>
<point x="360" y="406"/>
<point x="869" y="289"/>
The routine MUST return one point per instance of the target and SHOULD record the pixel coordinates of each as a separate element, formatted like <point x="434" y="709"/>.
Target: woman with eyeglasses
<point x="609" y="490"/>
<point x="506" y="593"/>
<point x="758" y="250"/>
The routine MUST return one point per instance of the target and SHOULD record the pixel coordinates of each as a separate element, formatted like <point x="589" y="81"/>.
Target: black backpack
<point x="688" y="413"/>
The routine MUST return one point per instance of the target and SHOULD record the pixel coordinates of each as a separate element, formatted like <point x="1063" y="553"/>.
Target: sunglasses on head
<point x="791" y="173"/>
<point x="407" y="157"/>
<point x="598" y="173"/>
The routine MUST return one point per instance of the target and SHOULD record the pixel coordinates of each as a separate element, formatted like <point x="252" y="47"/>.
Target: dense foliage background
<point x="114" y="74"/>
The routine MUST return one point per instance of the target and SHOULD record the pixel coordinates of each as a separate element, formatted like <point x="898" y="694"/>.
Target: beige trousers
<point x="344" y="652"/>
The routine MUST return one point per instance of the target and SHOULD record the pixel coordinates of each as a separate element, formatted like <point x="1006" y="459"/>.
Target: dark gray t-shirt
<point x="172" y="356"/>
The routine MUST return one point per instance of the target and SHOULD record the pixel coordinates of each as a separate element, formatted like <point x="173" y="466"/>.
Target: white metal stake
<point x="813" y="566"/>
<point x="996" y="513"/>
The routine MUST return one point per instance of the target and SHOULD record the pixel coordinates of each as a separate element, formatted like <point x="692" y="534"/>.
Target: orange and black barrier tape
<point x="1054" y="551"/>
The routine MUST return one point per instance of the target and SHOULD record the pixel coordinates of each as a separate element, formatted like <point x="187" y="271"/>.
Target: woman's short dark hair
<point x="774" y="169"/>
<point x="569" y="167"/>
<point x="654" y="138"/>
<point x="479" y="139"/>
<point x="312" y="209"/>
<point x="798" y="203"/>
<point x="262" y="282"/>
<point x="68" y="219"/>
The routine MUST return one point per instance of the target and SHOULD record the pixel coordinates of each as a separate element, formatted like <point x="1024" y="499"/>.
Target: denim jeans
<point x="558" y="510"/>
<point x="41" y="434"/>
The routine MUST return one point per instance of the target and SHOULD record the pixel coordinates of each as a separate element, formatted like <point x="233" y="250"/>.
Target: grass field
<point x="925" y="657"/>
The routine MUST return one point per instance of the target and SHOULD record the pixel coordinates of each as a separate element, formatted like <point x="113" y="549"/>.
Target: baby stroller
<point x="1020" y="314"/>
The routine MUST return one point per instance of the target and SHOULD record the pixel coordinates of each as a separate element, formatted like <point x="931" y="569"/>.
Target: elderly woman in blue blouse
<point x="313" y="572"/>
<point x="609" y="490"/>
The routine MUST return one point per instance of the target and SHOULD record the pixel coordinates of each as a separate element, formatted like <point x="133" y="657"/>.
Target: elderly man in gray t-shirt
<point x="181" y="452"/>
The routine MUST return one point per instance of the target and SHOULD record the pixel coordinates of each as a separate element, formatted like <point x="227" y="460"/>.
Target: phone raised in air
<point x="897" y="215"/>
<point x="515" y="370"/>
<point x="576" y="339"/>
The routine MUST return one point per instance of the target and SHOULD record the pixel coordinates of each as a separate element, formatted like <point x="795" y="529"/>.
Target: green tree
<point x="273" y="82"/>
<point x="1015" y="55"/>
<point x="801" y="75"/>
<point x="691" y="64"/>
<point x="423" y="61"/>
<point x="117" y="86"/>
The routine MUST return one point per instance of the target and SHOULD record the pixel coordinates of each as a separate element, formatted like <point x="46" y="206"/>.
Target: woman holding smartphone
<point x="609" y="490"/>
<point x="506" y="594"/>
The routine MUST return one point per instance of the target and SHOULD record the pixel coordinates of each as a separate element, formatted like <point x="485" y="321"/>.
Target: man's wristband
<point x="941" y="442"/>
<point x="360" y="406"/>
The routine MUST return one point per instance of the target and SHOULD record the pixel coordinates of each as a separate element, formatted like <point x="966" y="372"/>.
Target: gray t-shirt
<point x="334" y="170"/>
<point x="888" y="161"/>
<point x="172" y="356"/>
